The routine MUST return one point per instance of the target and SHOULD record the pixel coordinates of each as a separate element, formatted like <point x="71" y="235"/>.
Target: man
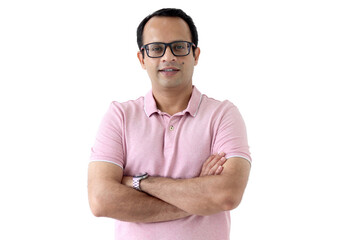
<point x="172" y="164"/>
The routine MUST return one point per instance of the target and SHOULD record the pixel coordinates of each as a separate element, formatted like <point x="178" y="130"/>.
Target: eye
<point x="156" y="48"/>
<point x="179" y="47"/>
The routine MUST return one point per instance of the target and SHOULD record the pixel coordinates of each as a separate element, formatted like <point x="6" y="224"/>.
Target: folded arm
<point x="108" y="197"/>
<point x="204" y="195"/>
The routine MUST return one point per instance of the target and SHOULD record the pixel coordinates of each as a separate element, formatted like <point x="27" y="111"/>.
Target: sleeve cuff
<point x="240" y="156"/>
<point x="100" y="160"/>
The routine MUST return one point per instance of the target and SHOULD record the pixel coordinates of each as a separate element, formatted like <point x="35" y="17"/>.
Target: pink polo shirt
<point x="138" y="137"/>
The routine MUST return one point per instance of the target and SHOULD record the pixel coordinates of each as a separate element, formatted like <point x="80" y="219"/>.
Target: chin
<point x="170" y="83"/>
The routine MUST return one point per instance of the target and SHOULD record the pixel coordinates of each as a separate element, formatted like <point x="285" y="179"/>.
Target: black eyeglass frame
<point x="144" y="47"/>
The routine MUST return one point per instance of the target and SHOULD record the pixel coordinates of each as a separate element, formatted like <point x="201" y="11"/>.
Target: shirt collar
<point x="192" y="108"/>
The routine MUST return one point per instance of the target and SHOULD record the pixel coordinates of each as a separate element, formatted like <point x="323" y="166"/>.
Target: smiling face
<point x="168" y="71"/>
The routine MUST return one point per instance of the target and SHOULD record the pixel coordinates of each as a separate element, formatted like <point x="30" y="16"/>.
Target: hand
<point x="213" y="165"/>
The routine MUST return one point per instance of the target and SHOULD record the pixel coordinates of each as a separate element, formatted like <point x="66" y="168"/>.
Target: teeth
<point x="168" y="70"/>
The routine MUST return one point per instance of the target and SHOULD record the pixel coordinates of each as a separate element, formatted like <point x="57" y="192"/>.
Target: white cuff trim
<point x="240" y="157"/>
<point x="108" y="162"/>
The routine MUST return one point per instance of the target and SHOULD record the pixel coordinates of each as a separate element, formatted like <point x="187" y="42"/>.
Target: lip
<point x="169" y="71"/>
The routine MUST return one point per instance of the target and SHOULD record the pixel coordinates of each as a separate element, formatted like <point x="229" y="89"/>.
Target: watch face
<point x="140" y="175"/>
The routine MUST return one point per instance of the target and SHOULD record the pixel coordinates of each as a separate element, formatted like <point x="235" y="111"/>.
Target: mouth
<point x="169" y="70"/>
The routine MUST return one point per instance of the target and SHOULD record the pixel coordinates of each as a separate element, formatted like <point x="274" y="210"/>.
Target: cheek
<point x="150" y="67"/>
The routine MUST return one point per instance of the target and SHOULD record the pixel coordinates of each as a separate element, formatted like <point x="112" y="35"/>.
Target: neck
<point x="172" y="101"/>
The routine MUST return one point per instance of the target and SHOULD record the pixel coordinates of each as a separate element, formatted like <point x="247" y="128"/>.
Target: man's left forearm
<point x="199" y="196"/>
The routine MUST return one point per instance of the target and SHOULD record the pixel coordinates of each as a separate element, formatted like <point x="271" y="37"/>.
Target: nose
<point x="168" y="55"/>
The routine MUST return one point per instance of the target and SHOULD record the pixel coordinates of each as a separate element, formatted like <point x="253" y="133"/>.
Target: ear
<point x="197" y="55"/>
<point x="141" y="59"/>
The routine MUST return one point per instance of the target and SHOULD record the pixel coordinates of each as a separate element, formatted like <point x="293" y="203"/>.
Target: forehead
<point x="166" y="29"/>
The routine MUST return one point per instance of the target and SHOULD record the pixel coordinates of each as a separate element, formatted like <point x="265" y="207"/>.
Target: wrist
<point x="127" y="181"/>
<point x="137" y="179"/>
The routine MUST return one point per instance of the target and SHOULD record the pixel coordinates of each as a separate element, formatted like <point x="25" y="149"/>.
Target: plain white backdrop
<point x="292" y="68"/>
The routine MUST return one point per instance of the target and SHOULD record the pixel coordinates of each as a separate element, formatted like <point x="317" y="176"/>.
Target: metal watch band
<point x="137" y="179"/>
<point x="136" y="184"/>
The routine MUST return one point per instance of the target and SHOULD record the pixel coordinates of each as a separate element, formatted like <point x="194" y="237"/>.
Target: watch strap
<point x="137" y="180"/>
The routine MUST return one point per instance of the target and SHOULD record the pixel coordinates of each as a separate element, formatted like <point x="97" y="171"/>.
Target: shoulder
<point x="219" y="112"/>
<point x="127" y="107"/>
<point x="212" y="105"/>
<point x="119" y="111"/>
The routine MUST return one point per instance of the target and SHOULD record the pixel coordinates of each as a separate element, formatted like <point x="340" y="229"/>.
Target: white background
<point x="291" y="67"/>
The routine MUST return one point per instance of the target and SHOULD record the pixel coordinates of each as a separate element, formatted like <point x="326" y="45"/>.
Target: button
<point x="171" y="128"/>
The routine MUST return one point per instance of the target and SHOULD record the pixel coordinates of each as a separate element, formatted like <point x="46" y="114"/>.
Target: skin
<point x="206" y="195"/>
<point x="111" y="195"/>
<point x="221" y="183"/>
<point x="171" y="92"/>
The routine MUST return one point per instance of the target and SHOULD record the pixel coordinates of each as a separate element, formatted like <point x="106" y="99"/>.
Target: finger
<point x="219" y="170"/>
<point x="218" y="164"/>
<point x="212" y="163"/>
<point x="215" y="160"/>
<point x="205" y="166"/>
<point x="204" y="169"/>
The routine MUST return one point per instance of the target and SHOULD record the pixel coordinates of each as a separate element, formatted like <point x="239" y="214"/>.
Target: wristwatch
<point x="137" y="178"/>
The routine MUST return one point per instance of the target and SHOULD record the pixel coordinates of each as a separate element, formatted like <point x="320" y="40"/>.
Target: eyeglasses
<point x="178" y="48"/>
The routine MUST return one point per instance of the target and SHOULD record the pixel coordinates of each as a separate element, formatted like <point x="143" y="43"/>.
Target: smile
<point x="169" y="69"/>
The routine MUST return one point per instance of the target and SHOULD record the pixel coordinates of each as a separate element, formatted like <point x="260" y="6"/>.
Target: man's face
<point x="168" y="71"/>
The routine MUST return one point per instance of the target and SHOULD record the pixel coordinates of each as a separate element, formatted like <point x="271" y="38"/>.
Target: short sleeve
<point x="231" y="136"/>
<point x="108" y="146"/>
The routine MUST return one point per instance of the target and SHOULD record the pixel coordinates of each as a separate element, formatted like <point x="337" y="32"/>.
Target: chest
<point x="169" y="147"/>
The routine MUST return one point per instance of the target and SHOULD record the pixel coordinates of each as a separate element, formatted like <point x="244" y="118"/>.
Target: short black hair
<point x="168" y="12"/>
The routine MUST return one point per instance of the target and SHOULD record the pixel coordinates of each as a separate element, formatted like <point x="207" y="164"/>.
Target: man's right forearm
<point x="126" y="204"/>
